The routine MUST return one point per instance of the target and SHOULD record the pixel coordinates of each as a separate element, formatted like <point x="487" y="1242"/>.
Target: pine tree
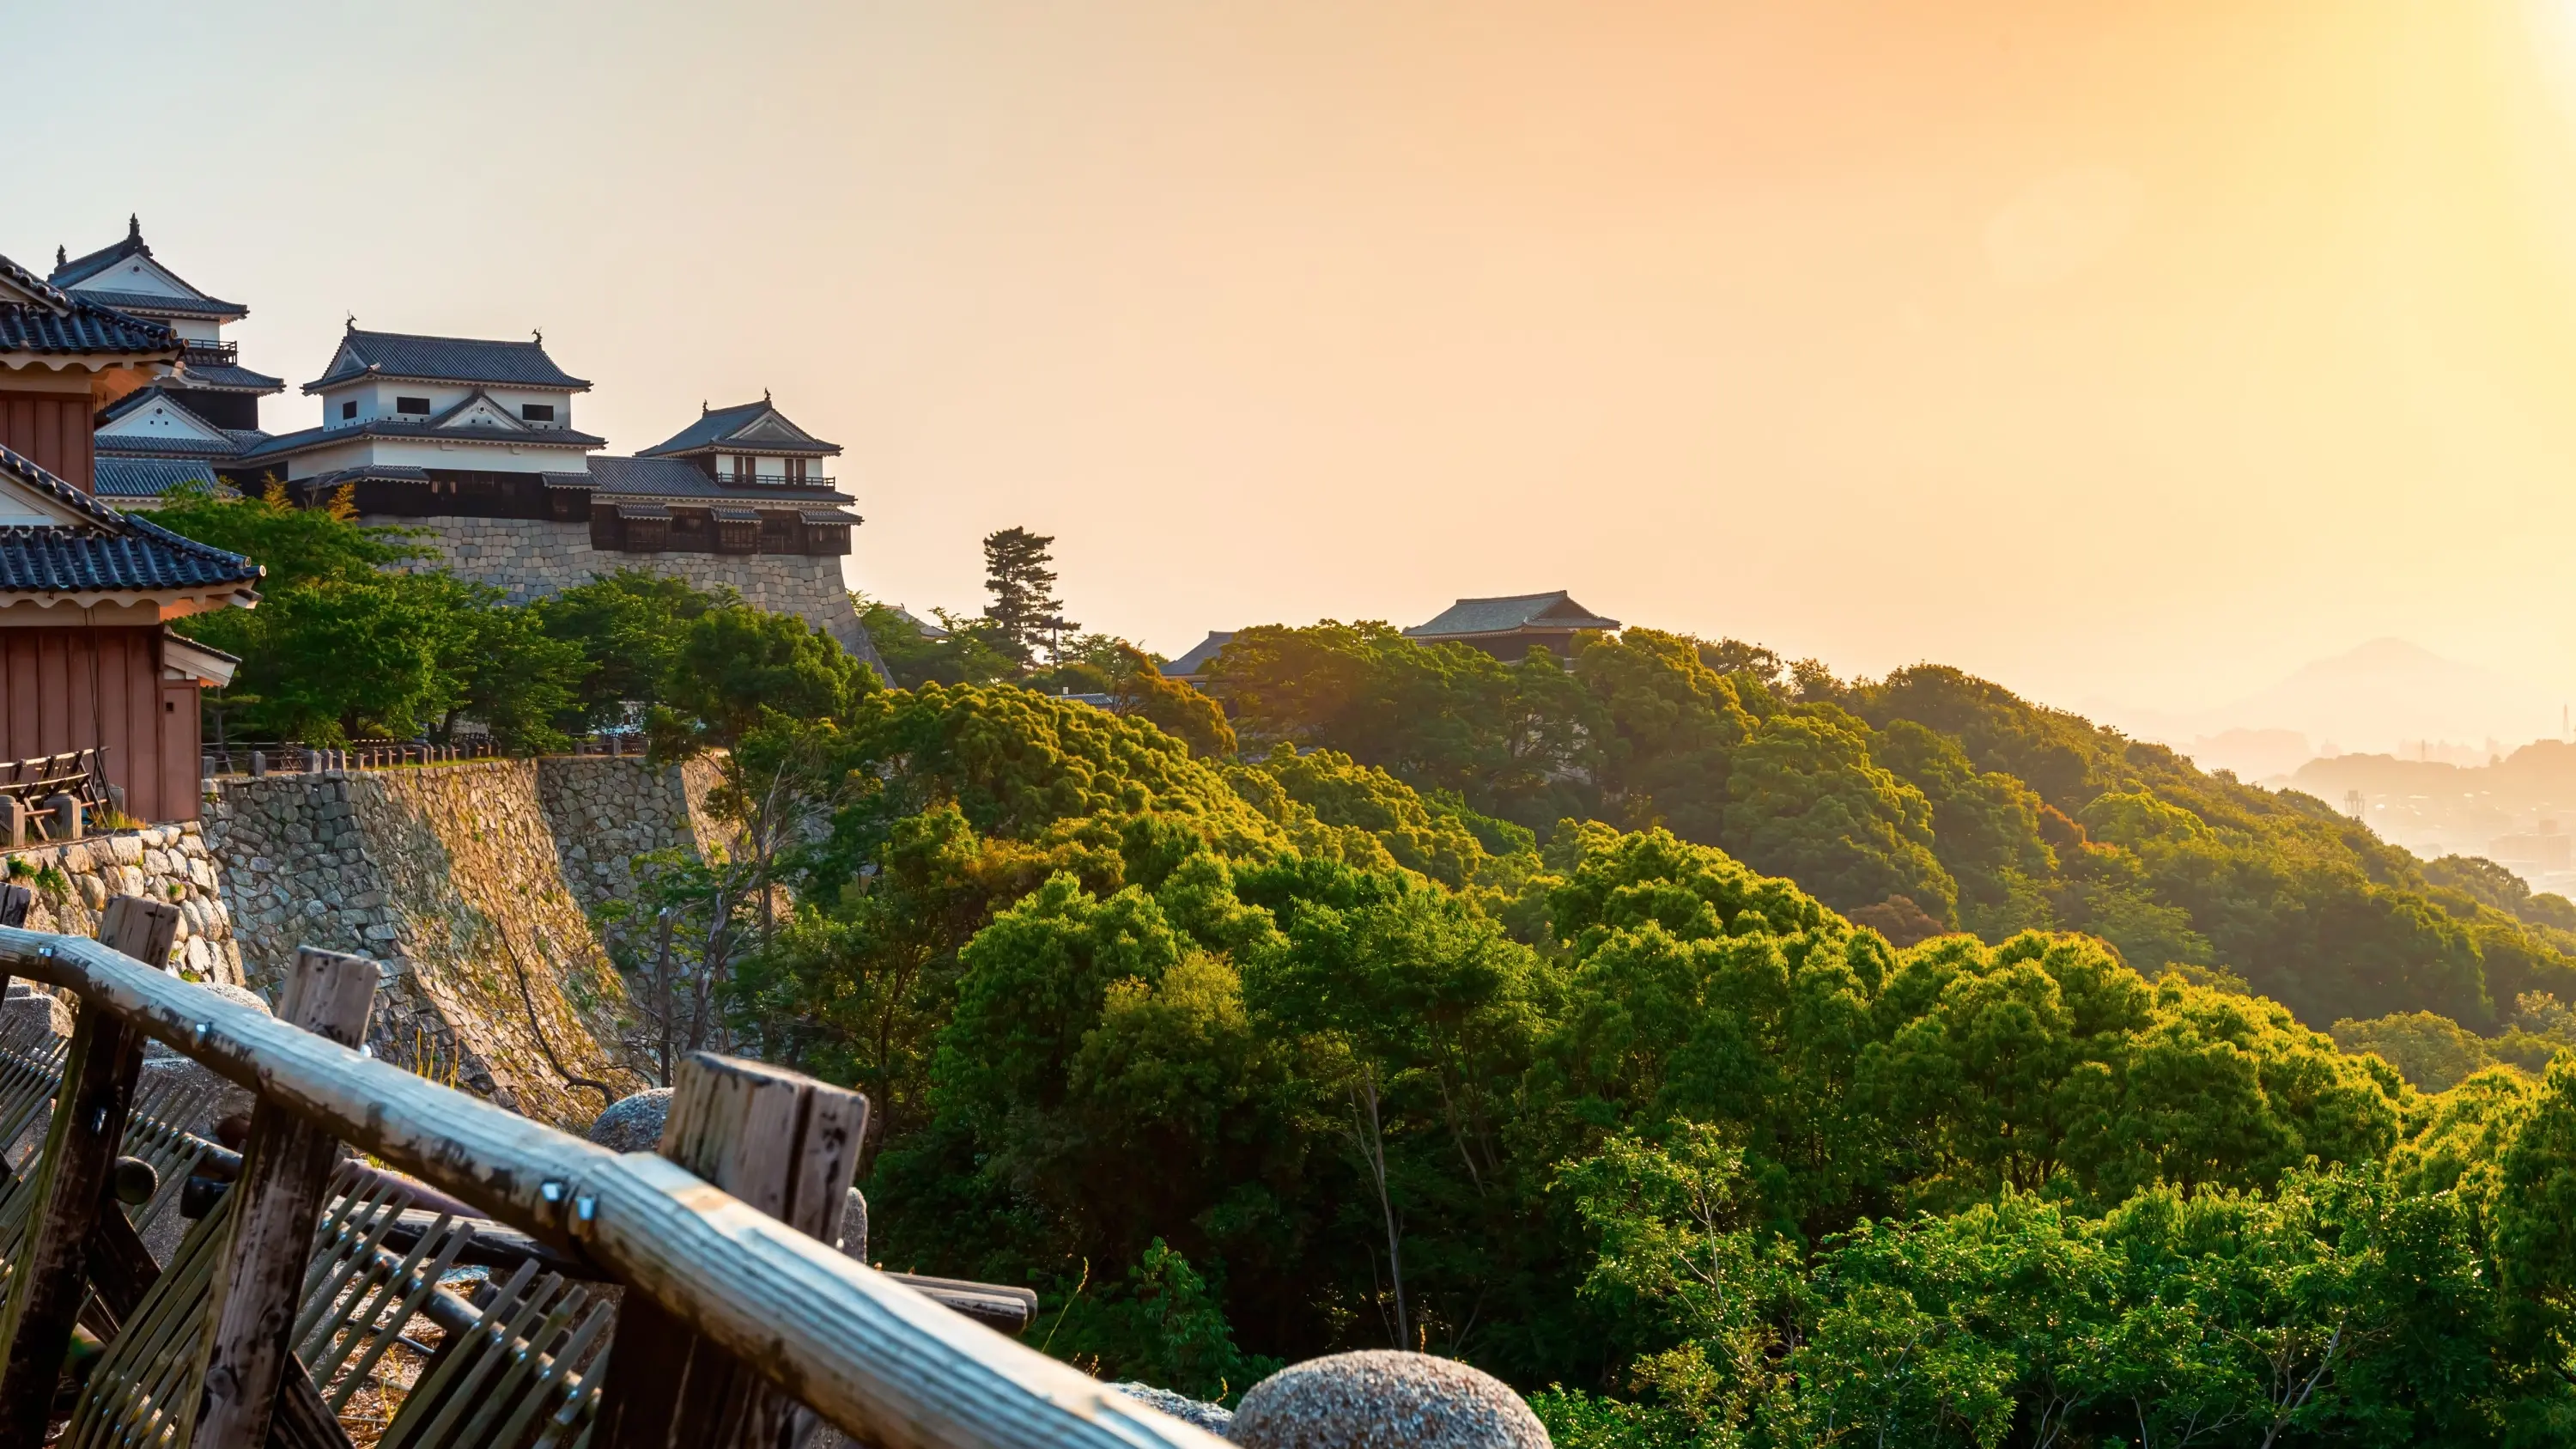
<point x="1025" y="610"/>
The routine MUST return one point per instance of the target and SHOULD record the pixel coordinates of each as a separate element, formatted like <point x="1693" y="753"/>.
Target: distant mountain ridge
<point x="2375" y="698"/>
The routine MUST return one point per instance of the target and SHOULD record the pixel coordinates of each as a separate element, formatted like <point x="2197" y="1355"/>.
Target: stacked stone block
<point x="456" y="876"/>
<point x="73" y="882"/>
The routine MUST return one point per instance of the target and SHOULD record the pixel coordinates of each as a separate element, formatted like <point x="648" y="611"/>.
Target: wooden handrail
<point x="877" y="1359"/>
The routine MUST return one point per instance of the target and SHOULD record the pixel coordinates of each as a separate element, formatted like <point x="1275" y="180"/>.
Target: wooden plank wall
<point x="55" y="430"/>
<point x="71" y="689"/>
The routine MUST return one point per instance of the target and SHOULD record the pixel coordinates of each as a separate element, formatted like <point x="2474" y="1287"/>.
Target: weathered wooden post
<point x="51" y="1275"/>
<point x="286" y="1165"/>
<point x="783" y="1143"/>
<point x="13" y="821"/>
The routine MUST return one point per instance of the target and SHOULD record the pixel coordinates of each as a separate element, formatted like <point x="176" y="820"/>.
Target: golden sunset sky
<point x="2135" y="353"/>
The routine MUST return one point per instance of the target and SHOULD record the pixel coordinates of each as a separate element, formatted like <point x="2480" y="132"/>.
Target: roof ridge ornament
<point x="539" y="333"/>
<point x="62" y="256"/>
<point x="134" y="227"/>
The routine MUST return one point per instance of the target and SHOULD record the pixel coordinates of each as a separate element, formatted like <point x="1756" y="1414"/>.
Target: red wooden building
<point x="87" y="660"/>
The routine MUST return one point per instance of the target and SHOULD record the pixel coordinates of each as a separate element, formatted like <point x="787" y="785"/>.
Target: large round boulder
<point x="633" y="1124"/>
<point x="1385" y="1399"/>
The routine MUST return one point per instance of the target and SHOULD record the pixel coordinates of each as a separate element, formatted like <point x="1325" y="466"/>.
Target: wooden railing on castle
<point x="735" y="1323"/>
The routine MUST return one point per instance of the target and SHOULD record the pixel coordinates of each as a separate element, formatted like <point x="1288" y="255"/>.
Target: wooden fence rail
<point x="883" y="1362"/>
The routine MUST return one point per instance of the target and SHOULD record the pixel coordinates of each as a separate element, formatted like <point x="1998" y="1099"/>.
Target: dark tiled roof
<point x="82" y="268"/>
<point x="112" y="446"/>
<point x="444" y="359"/>
<point x="113" y="552"/>
<point x="1196" y="661"/>
<point x="679" y="478"/>
<point x="1503" y="615"/>
<point x="748" y="428"/>
<point x="229" y="379"/>
<point x="119" y="477"/>
<point x="308" y="438"/>
<point x="63" y="322"/>
<point x="155" y="303"/>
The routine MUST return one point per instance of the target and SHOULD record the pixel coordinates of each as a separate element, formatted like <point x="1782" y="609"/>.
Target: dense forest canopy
<point x="1350" y="1038"/>
<point x="1723" y="1052"/>
<point x="1926" y="801"/>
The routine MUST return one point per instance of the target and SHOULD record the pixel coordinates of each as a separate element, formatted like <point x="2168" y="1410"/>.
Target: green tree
<point x="964" y="651"/>
<point x="1019" y="573"/>
<point x="735" y="665"/>
<point x="629" y="626"/>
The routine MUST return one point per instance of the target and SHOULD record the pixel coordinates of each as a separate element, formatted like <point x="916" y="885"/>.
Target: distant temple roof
<point x="104" y="551"/>
<point x="37" y="316"/>
<point x="403" y="356"/>
<point x="747" y="428"/>
<point x="1195" y="663"/>
<point x="71" y="273"/>
<point x="1511" y="614"/>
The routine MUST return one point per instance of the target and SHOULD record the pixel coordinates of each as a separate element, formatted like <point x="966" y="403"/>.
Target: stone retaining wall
<point x="463" y="879"/>
<point x="532" y="558"/>
<point x="73" y="881"/>
<point x="605" y="811"/>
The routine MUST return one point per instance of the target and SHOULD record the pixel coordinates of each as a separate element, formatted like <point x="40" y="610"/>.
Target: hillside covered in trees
<point x="1523" y="1015"/>
<point x="1928" y="801"/>
<point x="1724" y="1053"/>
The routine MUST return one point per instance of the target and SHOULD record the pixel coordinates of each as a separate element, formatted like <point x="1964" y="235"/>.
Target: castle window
<point x="416" y="406"/>
<point x="537" y="412"/>
<point x="348" y="410"/>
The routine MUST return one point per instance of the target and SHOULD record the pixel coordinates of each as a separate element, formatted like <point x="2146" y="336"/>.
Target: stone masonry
<point x="459" y="878"/>
<point x="606" y="812"/>
<point x="73" y="881"/>
<point x="533" y="558"/>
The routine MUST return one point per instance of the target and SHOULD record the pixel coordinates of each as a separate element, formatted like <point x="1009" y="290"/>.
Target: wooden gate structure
<point x="736" y="1323"/>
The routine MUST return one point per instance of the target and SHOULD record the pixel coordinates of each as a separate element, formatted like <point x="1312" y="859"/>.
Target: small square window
<point x="415" y="406"/>
<point x="537" y="412"/>
<point x="348" y="410"/>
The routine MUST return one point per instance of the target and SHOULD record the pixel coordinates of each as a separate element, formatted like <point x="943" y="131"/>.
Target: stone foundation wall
<point x="532" y="558"/>
<point x="73" y="881"/>
<point x="604" y="812"/>
<point x="463" y="880"/>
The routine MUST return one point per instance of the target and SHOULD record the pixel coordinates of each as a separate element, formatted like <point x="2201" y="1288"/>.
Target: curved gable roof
<point x="468" y="360"/>
<point x="1510" y="612"/>
<point x="744" y="428"/>
<point x="197" y="303"/>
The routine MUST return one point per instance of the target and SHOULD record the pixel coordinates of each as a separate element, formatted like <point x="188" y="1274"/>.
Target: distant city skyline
<point x="2113" y="355"/>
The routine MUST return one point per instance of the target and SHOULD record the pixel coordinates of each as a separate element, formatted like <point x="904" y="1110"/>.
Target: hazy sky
<point x="2130" y="352"/>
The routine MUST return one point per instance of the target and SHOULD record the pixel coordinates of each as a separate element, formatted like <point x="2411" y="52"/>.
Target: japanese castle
<point x="184" y="426"/>
<point x="473" y="443"/>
